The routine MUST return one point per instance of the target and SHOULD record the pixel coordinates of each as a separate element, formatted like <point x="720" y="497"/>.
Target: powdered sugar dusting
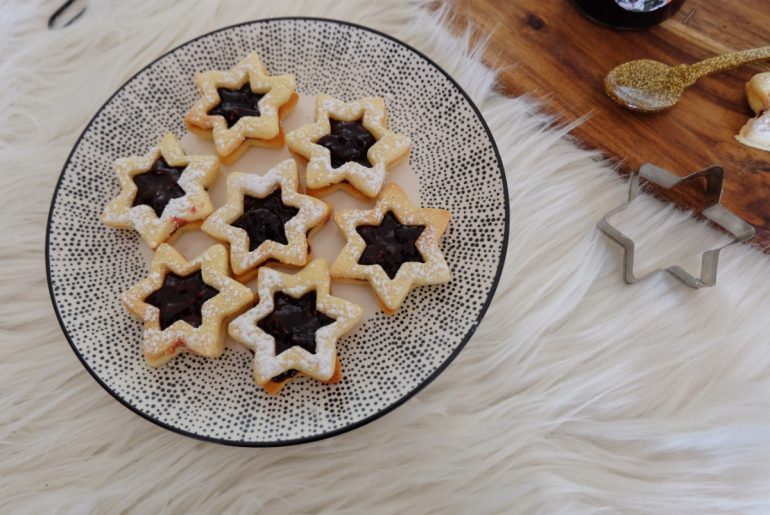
<point x="320" y="173"/>
<point x="277" y="90"/>
<point x="321" y="364"/>
<point x="433" y="270"/>
<point x="311" y="213"/>
<point x="205" y="339"/>
<point x="194" y="205"/>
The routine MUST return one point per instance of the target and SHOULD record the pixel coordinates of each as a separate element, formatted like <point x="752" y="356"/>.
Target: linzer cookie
<point x="242" y="106"/>
<point x="393" y="246"/>
<point x="183" y="303"/>
<point x="162" y="191"/>
<point x="349" y="146"/>
<point x="295" y="327"/>
<point x="756" y="132"/>
<point x="266" y="218"/>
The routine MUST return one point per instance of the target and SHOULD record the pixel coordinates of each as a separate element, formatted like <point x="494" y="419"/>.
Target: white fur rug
<point x="577" y="394"/>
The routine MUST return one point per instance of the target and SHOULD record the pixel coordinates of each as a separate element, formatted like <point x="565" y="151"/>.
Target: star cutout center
<point x="348" y="141"/>
<point x="390" y="244"/>
<point x="158" y="186"/>
<point x="181" y="298"/>
<point x="234" y="104"/>
<point x="265" y="219"/>
<point x="294" y="322"/>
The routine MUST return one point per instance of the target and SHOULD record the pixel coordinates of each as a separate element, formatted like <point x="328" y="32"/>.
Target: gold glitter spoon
<point x="649" y="86"/>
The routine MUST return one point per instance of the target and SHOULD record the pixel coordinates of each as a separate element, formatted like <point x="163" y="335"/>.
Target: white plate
<point x="454" y="164"/>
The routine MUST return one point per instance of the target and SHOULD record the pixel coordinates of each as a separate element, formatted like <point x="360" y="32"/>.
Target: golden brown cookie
<point x="295" y="327"/>
<point x="266" y="218"/>
<point x="242" y="106"/>
<point x="394" y="246"/>
<point x="162" y="191"/>
<point x="183" y="304"/>
<point x="756" y="132"/>
<point x="349" y="145"/>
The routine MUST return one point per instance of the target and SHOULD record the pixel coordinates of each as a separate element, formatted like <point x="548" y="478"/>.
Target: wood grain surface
<point x="547" y="49"/>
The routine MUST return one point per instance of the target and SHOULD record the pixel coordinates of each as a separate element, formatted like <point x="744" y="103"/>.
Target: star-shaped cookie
<point x="242" y="106"/>
<point x="756" y="132"/>
<point x="295" y="326"/>
<point x="349" y="146"/>
<point x="268" y="210"/>
<point x="162" y="191"/>
<point x="183" y="303"/>
<point x="394" y="246"/>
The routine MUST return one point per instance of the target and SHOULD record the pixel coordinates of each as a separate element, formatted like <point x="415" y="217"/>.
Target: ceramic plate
<point x="454" y="164"/>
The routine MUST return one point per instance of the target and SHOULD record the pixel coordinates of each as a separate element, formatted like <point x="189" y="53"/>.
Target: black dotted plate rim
<point x="349" y="427"/>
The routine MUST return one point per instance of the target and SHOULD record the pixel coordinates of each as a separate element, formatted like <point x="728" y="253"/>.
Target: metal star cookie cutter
<point x="712" y="210"/>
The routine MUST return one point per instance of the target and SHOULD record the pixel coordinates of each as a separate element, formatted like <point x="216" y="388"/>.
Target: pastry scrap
<point x="349" y="146"/>
<point x="294" y="328"/>
<point x="266" y="218"/>
<point x="162" y="191"/>
<point x="394" y="246"/>
<point x="756" y="132"/>
<point x="242" y="106"/>
<point x="183" y="303"/>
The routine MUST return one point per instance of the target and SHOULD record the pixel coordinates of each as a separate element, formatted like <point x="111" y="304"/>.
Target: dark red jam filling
<point x="280" y="378"/>
<point x="348" y="141"/>
<point x="158" y="186"/>
<point x="294" y="322"/>
<point x="390" y="244"/>
<point x="181" y="298"/>
<point x="264" y="219"/>
<point x="234" y="104"/>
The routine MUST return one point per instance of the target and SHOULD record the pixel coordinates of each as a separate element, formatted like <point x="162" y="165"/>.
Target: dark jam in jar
<point x="629" y="14"/>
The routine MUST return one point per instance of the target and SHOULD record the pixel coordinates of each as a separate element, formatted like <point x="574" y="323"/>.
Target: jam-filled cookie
<point x="295" y="327"/>
<point x="183" y="303"/>
<point x="242" y="106"/>
<point x="756" y="132"/>
<point x="349" y="146"/>
<point x="394" y="246"/>
<point x="162" y="191"/>
<point x="266" y="218"/>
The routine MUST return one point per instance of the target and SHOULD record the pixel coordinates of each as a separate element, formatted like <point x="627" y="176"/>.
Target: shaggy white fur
<point x="577" y="394"/>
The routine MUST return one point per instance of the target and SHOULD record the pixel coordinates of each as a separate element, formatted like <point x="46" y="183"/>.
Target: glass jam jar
<point x="629" y="14"/>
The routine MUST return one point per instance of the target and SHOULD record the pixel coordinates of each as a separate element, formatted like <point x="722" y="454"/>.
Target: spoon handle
<point x="727" y="61"/>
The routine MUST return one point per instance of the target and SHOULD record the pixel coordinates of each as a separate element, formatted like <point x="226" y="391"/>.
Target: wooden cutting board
<point x="546" y="48"/>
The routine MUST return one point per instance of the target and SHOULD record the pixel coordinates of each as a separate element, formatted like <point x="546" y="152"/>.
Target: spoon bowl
<point x="645" y="85"/>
